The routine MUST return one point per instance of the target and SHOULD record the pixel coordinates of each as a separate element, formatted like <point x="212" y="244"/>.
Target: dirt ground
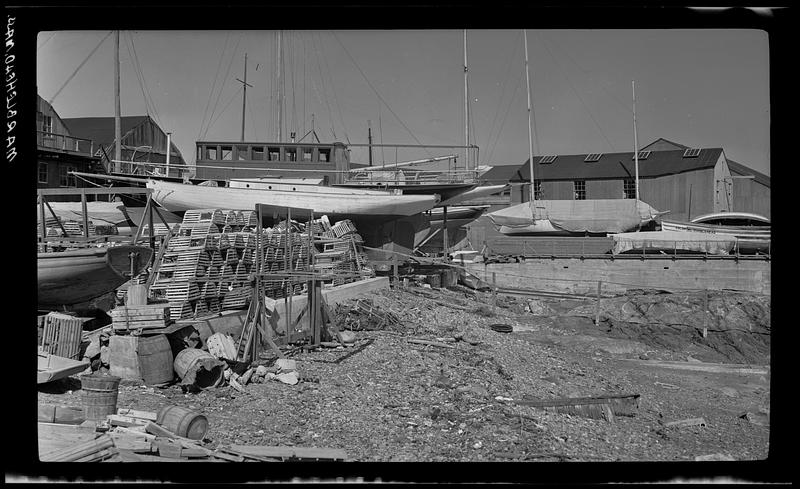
<point x="400" y="401"/>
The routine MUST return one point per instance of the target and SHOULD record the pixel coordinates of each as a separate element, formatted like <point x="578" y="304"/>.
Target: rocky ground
<point x="400" y="401"/>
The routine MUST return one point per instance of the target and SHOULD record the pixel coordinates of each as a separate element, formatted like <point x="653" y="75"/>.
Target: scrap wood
<point x="604" y="406"/>
<point x="137" y="414"/>
<point x="118" y="420"/>
<point x="686" y="422"/>
<point x="347" y="355"/>
<point x="55" y="436"/>
<point x="283" y="452"/>
<point x="75" y="452"/>
<point x="431" y="343"/>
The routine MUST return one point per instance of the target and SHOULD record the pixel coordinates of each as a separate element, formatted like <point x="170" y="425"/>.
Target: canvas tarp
<point x="579" y="216"/>
<point x="713" y="244"/>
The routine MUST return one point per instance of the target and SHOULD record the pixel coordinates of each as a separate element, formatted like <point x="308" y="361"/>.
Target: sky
<point x="699" y="88"/>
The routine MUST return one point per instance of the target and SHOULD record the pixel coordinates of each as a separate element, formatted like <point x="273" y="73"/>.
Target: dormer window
<point x="547" y="159"/>
<point x="643" y="155"/>
<point x="593" y="157"/>
<point x="691" y="153"/>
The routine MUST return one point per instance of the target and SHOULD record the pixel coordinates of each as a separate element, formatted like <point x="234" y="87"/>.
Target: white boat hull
<point x="750" y="239"/>
<point x="182" y="197"/>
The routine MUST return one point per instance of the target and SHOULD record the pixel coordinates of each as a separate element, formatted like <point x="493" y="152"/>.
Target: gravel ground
<point x="398" y="401"/>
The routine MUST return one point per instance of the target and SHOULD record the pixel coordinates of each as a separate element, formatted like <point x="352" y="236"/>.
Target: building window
<point x="592" y="157"/>
<point x="629" y="188"/>
<point x="258" y="153"/>
<point x="547" y="159"/>
<point x="226" y="153"/>
<point x="308" y="154"/>
<point x="65" y="178"/>
<point x="242" y="153"/>
<point x="42" y="172"/>
<point x="580" y="189"/>
<point x="324" y="155"/>
<point x="291" y="154"/>
<point x="538" y="194"/>
<point x="691" y="153"/>
<point x="211" y="152"/>
<point x="274" y="154"/>
<point x="643" y="155"/>
<point x="47" y="123"/>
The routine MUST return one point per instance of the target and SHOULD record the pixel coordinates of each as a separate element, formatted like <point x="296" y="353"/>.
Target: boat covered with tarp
<point x="753" y="231"/>
<point x="573" y="217"/>
<point x="673" y="242"/>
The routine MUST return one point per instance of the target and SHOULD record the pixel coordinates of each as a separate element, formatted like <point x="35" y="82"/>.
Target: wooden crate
<point x="62" y="335"/>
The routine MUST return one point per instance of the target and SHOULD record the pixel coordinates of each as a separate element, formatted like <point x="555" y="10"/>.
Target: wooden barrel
<point x="183" y="422"/>
<point x="99" y="395"/>
<point x="155" y="359"/>
<point x="136" y="295"/>
<point x="187" y="361"/>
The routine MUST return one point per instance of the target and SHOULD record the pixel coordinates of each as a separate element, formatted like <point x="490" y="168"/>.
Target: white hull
<point x="177" y="197"/>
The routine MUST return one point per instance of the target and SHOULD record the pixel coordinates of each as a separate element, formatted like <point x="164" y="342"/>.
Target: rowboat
<point x="350" y="204"/>
<point x="53" y="367"/>
<point x="74" y="276"/>
<point x="752" y="231"/>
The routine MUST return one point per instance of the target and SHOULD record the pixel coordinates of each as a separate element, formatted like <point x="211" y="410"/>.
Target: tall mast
<point x="530" y="140"/>
<point x="117" y="119"/>
<point x="280" y="86"/>
<point x="466" y="107"/>
<point x="635" y="139"/>
<point x="244" y="92"/>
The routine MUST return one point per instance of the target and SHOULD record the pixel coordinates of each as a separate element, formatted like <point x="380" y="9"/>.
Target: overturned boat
<point x="752" y="231"/>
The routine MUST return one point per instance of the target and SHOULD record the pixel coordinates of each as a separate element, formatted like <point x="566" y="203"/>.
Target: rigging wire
<point x="503" y="123"/>
<point x="48" y="40"/>
<point x="138" y="78"/>
<point x="335" y="98"/>
<point x="222" y="86"/>
<point x="213" y="85"/>
<point x="378" y="94"/>
<point x="78" y="68"/>
<point x="503" y="92"/>
<point x="322" y="81"/>
<point x="223" y="110"/>
<point x="574" y="90"/>
<point x="144" y="80"/>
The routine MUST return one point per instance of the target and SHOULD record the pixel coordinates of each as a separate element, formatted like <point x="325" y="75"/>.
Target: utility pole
<point x="635" y="139"/>
<point x="117" y="119"/>
<point x="244" y="92"/>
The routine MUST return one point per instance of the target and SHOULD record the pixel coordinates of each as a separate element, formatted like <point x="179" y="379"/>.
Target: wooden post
<point x="44" y="226"/>
<point x="394" y="266"/>
<point x="706" y="312"/>
<point x="85" y="215"/>
<point x="494" y="290"/>
<point x="597" y="306"/>
<point x="290" y="272"/>
<point x="150" y="223"/>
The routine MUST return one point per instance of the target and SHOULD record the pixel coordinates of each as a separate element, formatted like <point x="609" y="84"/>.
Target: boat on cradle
<point x="597" y="217"/>
<point x="752" y="231"/>
<point x="673" y="242"/>
<point x="457" y="216"/>
<point x="336" y="205"/>
<point x="80" y="275"/>
<point x="53" y="367"/>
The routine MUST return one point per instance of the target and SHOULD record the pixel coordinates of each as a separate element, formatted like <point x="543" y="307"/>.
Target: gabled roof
<point x="662" y="144"/>
<point x="101" y="129"/>
<point x="502" y="174"/>
<point x="619" y="165"/>
<point x="740" y="169"/>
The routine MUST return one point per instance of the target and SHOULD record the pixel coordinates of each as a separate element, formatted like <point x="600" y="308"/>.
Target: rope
<point x="78" y="68"/>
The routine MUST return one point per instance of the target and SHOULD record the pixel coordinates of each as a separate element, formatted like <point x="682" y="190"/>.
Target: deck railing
<point x="66" y="143"/>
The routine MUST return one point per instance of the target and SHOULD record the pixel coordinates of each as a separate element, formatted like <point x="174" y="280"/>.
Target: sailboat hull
<point x="183" y="197"/>
<point x="71" y="277"/>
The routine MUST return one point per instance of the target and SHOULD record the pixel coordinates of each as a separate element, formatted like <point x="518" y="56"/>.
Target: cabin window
<point x="226" y="153"/>
<point x="274" y="154"/>
<point x="308" y="154"/>
<point x="291" y="154"/>
<point x="580" y="189"/>
<point x="629" y="188"/>
<point x="65" y="178"/>
<point x="211" y="152"/>
<point x="242" y="153"/>
<point x="324" y="155"/>
<point x="42" y="172"/>
<point x="258" y="153"/>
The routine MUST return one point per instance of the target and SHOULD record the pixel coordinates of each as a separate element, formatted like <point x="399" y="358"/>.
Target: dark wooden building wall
<point x="604" y="189"/>
<point x="45" y="109"/>
<point x="751" y="196"/>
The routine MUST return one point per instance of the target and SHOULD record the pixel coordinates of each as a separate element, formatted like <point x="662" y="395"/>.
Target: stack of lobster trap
<point x="207" y="265"/>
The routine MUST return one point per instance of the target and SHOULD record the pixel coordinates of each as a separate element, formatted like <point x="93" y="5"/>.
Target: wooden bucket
<point x="99" y="395"/>
<point x="136" y="296"/>
<point x="155" y="359"/>
<point x="185" y="361"/>
<point x="183" y="422"/>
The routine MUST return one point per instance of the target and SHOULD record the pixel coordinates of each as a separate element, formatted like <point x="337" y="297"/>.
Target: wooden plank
<point x="118" y="420"/>
<point x="151" y="416"/>
<point x="75" y="452"/>
<point x="289" y="452"/>
<point x="93" y="191"/>
<point x="431" y="343"/>
<point x="55" y="436"/>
